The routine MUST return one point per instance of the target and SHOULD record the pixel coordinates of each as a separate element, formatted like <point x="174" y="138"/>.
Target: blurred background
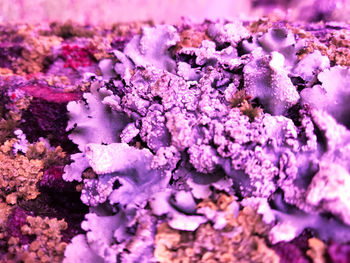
<point x="167" y="11"/>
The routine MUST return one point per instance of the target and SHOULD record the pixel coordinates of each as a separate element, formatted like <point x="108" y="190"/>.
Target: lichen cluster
<point x="223" y="141"/>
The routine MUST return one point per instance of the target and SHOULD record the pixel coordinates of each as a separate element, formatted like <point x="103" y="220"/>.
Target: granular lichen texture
<point x="215" y="141"/>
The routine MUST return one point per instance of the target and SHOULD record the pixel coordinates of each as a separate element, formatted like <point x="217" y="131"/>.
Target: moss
<point x="5" y="211"/>
<point x="242" y="101"/>
<point x="18" y="175"/>
<point x="8" y="126"/>
<point x="123" y="29"/>
<point x="336" y="45"/>
<point x="265" y="23"/>
<point x="38" y="151"/>
<point x="190" y="38"/>
<point x="69" y="30"/>
<point x="46" y="245"/>
<point x="338" y="48"/>
<point x="37" y="48"/>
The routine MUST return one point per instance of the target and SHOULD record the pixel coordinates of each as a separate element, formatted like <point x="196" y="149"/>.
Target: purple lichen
<point x="161" y="133"/>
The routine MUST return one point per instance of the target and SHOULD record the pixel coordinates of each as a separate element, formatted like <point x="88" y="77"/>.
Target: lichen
<point x="170" y="117"/>
<point x="5" y="212"/>
<point x="328" y="190"/>
<point x="332" y="95"/>
<point x="228" y="33"/>
<point x="84" y="118"/>
<point x="266" y="79"/>
<point x="151" y="48"/>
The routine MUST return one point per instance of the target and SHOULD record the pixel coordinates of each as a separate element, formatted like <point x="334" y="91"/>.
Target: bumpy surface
<point x="223" y="141"/>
